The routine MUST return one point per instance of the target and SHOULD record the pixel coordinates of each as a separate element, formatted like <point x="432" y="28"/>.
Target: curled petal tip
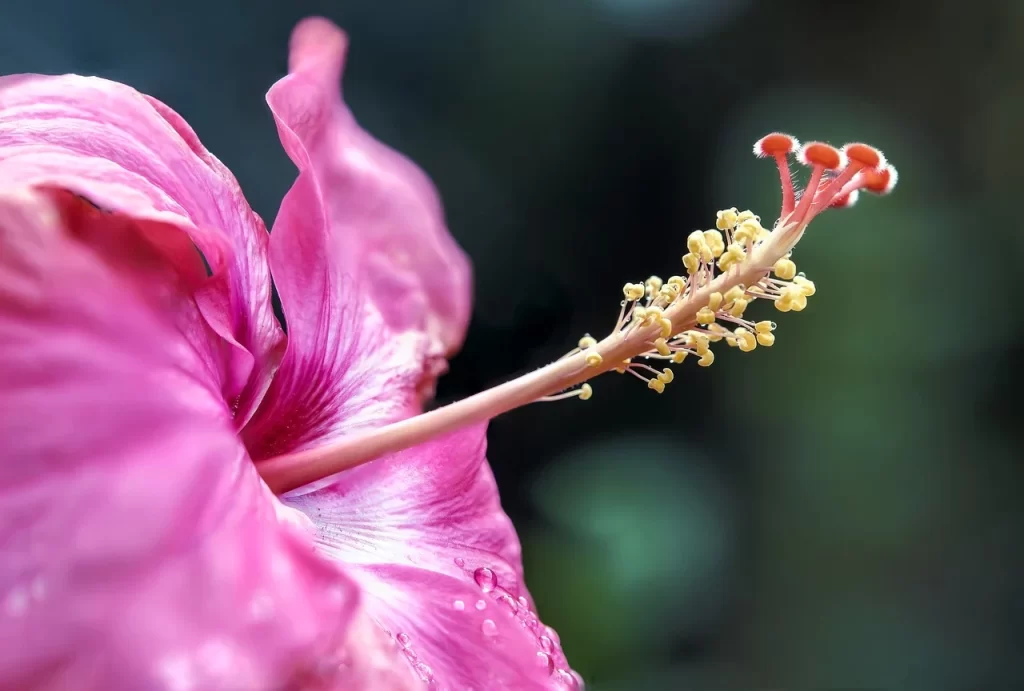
<point x="315" y="41"/>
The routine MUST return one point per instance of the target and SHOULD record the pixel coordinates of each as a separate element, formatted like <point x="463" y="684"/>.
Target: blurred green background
<point x="842" y="510"/>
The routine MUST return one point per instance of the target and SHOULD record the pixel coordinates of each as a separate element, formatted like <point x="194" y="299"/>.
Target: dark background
<point x="842" y="510"/>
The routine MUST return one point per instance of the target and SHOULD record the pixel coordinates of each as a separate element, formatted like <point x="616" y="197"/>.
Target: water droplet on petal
<point x="567" y="680"/>
<point x="546" y="645"/>
<point x="481" y="605"/>
<point x="553" y="635"/>
<point x="531" y="621"/>
<point x="459" y="605"/>
<point x="426" y="674"/>
<point x="489" y="628"/>
<point x="544" y="660"/>
<point x="485" y="578"/>
<point x="403" y="639"/>
<point x="523" y="602"/>
<point x="460" y="562"/>
<point x="506" y="599"/>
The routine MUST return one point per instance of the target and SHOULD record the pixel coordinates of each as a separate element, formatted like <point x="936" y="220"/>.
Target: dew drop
<point x="485" y="578"/>
<point x="546" y="645"/>
<point x="531" y="621"/>
<point x="459" y="605"/>
<point x="545" y="662"/>
<point x="426" y="674"/>
<point x="523" y="602"/>
<point x="460" y="562"/>
<point x="481" y="605"/>
<point x="403" y="639"/>
<point x="567" y="680"/>
<point x="506" y="599"/>
<point x="489" y="628"/>
<point x="553" y="635"/>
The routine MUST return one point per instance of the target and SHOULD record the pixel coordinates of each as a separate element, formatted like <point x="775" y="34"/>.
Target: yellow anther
<point x="594" y="359"/>
<point x="806" y="286"/>
<point x="677" y="282"/>
<point x="695" y="242"/>
<point x="726" y="219"/>
<point x="698" y="342"/>
<point x="692" y="262"/>
<point x="747" y="216"/>
<point x="738" y="307"/>
<point x="733" y="254"/>
<point x="621" y="368"/>
<point x="731" y="341"/>
<point x="766" y="339"/>
<point x="679" y="356"/>
<point x="717" y="331"/>
<point x="784" y="303"/>
<point x="586" y="391"/>
<point x="785" y="269"/>
<point x="657" y="385"/>
<point x="715" y="301"/>
<point x="633" y="291"/>
<point x="666" y="376"/>
<point x="749" y="230"/>
<point x="654" y="315"/>
<point x="661" y="345"/>
<point x="653" y="284"/>
<point x="795" y="298"/>
<point x="706" y="255"/>
<point x="733" y="294"/>
<point x="726" y="261"/>
<point x="765" y="327"/>
<point x="639" y="313"/>
<point x="706" y="359"/>
<point x="587" y="341"/>
<point x="746" y="340"/>
<point x="669" y="292"/>
<point x="705" y="316"/>
<point x="755" y="292"/>
<point x="666" y="327"/>
<point x="715" y="242"/>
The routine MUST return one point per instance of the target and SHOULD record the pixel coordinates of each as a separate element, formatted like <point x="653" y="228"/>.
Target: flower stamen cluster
<point x="725" y="270"/>
<point x="732" y="265"/>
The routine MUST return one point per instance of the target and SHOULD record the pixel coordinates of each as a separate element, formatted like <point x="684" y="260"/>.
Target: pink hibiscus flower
<point x="151" y="406"/>
<point x="142" y="379"/>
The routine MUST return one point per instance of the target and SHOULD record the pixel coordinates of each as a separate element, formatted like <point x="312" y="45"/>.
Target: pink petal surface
<point x="130" y="153"/>
<point x="375" y="291"/>
<point x="138" y="547"/>
<point x="381" y="208"/>
<point x="438" y="562"/>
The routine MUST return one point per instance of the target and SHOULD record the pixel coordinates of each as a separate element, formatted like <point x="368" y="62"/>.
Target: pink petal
<point x="384" y="214"/>
<point x="423" y="534"/>
<point x="374" y="289"/>
<point x="138" y="547"/>
<point x="130" y="153"/>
